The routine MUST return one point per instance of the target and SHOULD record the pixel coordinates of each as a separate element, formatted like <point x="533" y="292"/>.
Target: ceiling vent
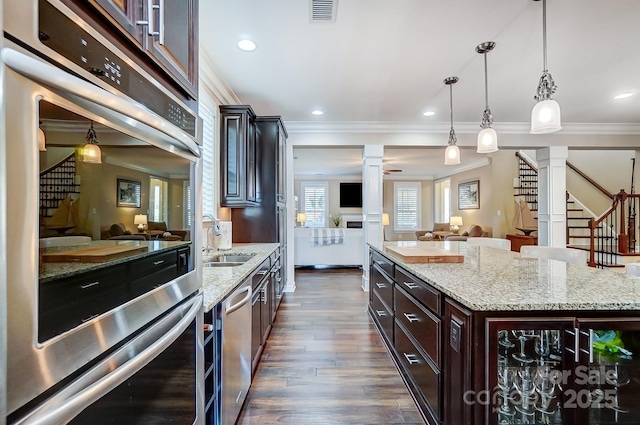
<point x="323" y="10"/>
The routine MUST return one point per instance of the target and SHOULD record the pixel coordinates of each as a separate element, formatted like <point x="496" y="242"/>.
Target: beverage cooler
<point x="563" y="371"/>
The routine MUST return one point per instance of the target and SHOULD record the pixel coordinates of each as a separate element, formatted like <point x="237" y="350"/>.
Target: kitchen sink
<point x="229" y="260"/>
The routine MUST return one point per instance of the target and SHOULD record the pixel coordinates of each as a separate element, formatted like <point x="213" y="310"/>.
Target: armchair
<point x="438" y="229"/>
<point x="157" y="229"/>
<point x="475" y="231"/>
<point x="118" y="231"/>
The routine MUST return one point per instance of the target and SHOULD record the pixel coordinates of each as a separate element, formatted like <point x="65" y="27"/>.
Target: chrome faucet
<point x="216" y="228"/>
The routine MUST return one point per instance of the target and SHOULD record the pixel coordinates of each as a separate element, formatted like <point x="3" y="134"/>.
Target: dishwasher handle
<point x="231" y="308"/>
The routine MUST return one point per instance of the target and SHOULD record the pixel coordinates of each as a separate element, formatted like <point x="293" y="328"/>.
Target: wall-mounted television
<point x="351" y="195"/>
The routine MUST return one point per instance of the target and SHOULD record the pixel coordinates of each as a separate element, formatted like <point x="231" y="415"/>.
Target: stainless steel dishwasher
<point x="236" y="351"/>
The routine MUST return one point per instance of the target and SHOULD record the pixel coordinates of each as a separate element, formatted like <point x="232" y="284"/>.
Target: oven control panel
<point x="62" y="35"/>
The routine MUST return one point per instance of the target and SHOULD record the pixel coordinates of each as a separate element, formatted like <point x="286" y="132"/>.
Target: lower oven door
<point x="153" y="379"/>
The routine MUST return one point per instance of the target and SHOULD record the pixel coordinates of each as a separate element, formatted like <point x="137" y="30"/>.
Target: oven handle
<point x="103" y="378"/>
<point x="51" y="76"/>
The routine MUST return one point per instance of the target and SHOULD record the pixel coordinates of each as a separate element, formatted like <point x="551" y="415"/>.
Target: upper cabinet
<point x="238" y="173"/>
<point x="165" y="30"/>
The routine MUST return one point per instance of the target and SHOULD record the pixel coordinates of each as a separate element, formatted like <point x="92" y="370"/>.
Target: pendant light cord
<point x="451" y="103"/>
<point x="544" y="33"/>
<point x="486" y="82"/>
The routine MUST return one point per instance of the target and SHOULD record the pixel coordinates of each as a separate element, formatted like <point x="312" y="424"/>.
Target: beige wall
<point x="427" y="209"/>
<point x="176" y="204"/>
<point x="484" y="215"/>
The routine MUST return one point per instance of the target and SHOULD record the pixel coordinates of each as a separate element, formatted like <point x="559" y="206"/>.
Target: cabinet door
<point x="608" y="376"/>
<point x="125" y="13"/>
<point x="282" y="170"/>
<point x="251" y="163"/>
<point x="530" y="366"/>
<point x="256" y="334"/>
<point x="175" y="45"/>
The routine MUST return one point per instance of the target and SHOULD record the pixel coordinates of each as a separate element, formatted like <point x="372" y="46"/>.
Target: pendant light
<point x="91" y="151"/>
<point x="452" y="153"/>
<point x="487" y="137"/>
<point x="42" y="140"/>
<point x="545" y="117"/>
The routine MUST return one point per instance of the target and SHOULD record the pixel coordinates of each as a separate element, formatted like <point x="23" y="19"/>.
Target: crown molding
<point x="213" y="83"/>
<point x="394" y="127"/>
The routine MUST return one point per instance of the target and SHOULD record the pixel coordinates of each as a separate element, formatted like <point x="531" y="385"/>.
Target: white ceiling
<point x="384" y="61"/>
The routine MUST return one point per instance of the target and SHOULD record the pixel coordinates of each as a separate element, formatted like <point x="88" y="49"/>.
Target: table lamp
<point x="454" y="223"/>
<point x="385" y="219"/>
<point x="141" y="221"/>
<point x="301" y="218"/>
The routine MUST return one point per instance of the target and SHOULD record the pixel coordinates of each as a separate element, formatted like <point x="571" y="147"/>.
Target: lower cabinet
<point x="212" y="366"/>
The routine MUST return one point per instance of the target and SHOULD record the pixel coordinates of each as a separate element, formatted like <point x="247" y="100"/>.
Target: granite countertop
<point x="52" y="271"/>
<point x="218" y="282"/>
<point x="496" y="280"/>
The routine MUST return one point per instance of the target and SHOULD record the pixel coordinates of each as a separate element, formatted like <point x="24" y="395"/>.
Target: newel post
<point x="592" y="248"/>
<point x="623" y="239"/>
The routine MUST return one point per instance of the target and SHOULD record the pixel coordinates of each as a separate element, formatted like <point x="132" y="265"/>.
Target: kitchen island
<point x="483" y="341"/>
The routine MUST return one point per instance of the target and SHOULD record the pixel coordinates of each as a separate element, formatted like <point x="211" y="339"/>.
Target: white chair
<point x="498" y="243"/>
<point x="568" y="255"/>
<point x="632" y="269"/>
<point x="64" y="241"/>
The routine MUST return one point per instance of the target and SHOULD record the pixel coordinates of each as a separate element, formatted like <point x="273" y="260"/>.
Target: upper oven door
<point x="35" y="365"/>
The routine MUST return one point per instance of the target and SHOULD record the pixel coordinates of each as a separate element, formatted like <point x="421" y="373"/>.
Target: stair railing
<point x="615" y="221"/>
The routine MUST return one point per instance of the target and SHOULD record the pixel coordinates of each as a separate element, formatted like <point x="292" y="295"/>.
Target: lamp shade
<point x="487" y="141"/>
<point x="385" y="219"/>
<point x="301" y="217"/>
<point x="545" y="117"/>
<point x="140" y="219"/>
<point x="452" y="155"/>
<point x="91" y="154"/>
<point x="455" y="220"/>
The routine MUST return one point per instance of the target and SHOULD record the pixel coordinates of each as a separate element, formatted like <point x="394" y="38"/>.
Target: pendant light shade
<point x="545" y="117"/>
<point x="452" y="153"/>
<point x="91" y="152"/>
<point x="487" y="137"/>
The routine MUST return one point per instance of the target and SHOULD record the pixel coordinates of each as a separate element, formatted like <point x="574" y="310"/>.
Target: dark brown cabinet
<point x="238" y="157"/>
<point x="262" y="308"/>
<point x="166" y="31"/>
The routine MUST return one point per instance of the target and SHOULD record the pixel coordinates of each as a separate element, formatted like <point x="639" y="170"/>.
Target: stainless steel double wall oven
<point x="118" y="341"/>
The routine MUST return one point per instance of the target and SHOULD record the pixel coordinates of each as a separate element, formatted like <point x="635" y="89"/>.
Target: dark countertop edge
<point x="510" y="307"/>
<point x="97" y="266"/>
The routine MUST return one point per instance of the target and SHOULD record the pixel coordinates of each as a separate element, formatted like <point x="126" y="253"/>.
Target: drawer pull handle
<point x="380" y="263"/>
<point x="381" y="313"/>
<point x="262" y="272"/>
<point x="89" y="285"/>
<point x="410" y="285"/>
<point x="157" y="263"/>
<point x="411" y="317"/>
<point x="381" y="285"/>
<point x="411" y="358"/>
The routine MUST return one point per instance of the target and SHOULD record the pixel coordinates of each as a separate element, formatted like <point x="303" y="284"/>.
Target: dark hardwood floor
<point x="324" y="362"/>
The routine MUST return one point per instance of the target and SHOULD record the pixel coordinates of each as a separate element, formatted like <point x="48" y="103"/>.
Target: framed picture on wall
<point x="469" y="195"/>
<point x="128" y="193"/>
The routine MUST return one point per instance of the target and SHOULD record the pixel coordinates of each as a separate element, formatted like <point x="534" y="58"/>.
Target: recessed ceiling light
<point x="429" y="114"/>
<point x="247" y="45"/>
<point x="317" y="112"/>
<point x="623" y="96"/>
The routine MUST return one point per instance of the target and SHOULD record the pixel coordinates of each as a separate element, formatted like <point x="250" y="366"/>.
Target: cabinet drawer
<point x="425" y="377"/>
<point x="154" y="263"/>
<point x="66" y="304"/>
<point x="382" y="262"/>
<point x="419" y="290"/>
<point x="152" y="280"/>
<point x="423" y="326"/>
<point x="382" y="286"/>
<point x="383" y="316"/>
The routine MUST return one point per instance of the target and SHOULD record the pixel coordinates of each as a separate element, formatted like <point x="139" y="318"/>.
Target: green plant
<point x="336" y="219"/>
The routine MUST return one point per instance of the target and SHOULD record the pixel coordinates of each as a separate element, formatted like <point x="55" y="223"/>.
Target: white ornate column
<point x="552" y="196"/>
<point x="371" y="203"/>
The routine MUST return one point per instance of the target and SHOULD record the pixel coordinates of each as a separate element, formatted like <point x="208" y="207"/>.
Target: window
<point x="186" y="193"/>
<point x="314" y="203"/>
<point x="406" y="201"/>
<point x="207" y="115"/>
<point x="442" y="193"/>
<point x="158" y="199"/>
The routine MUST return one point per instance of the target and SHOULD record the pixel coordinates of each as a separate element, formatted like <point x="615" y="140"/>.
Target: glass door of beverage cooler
<point x="610" y="362"/>
<point x="527" y="364"/>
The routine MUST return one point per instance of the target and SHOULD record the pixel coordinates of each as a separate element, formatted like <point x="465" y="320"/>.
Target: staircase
<point x="607" y="241"/>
